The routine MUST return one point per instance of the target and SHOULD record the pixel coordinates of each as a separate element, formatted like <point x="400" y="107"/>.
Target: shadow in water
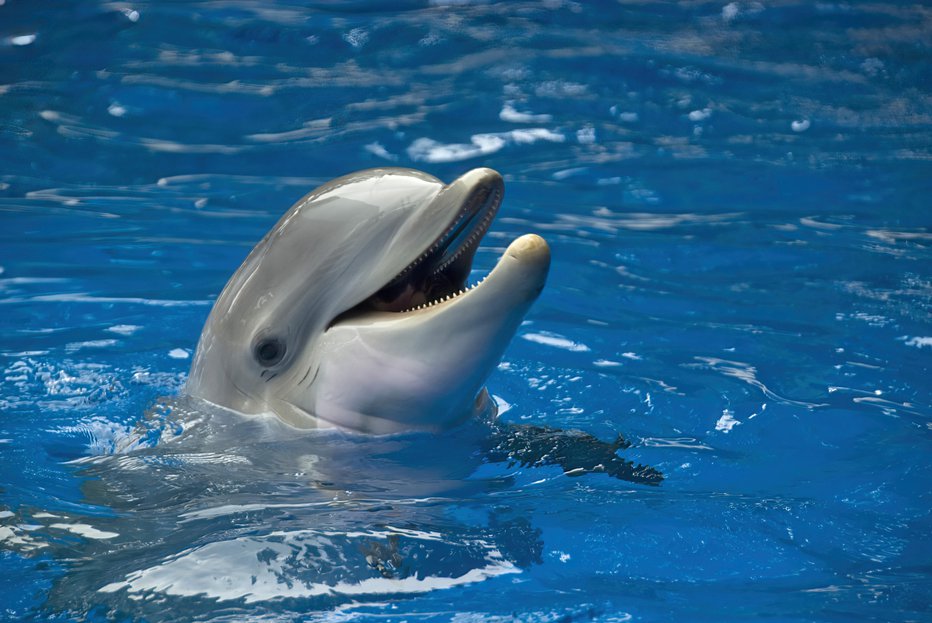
<point x="203" y="510"/>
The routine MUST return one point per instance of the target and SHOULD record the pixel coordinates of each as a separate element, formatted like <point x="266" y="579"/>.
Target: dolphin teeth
<point x="445" y="298"/>
<point x="479" y="230"/>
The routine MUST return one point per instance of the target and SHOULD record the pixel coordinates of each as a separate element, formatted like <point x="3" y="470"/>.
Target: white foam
<point x="85" y="530"/>
<point x="919" y="342"/>
<point x="586" y="135"/>
<point x="565" y="173"/>
<point x="178" y="353"/>
<point x="357" y="37"/>
<point x="22" y="40"/>
<point x="377" y="149"/>
<point x="429" y="150"/>
<point x="891" y="236"/>
<point x="606" y="363"/>
<point x="557" y="341"/>
<point x="508" y="113"/>
<point x="730" y="11"/>
<point x="76" y="346"/>
<point x="726" y="422"/>
<point x="533" y="135"/>
<point x="315" y="128"/>
<point x="13" y="537"/>
<point x="124" y="329"/>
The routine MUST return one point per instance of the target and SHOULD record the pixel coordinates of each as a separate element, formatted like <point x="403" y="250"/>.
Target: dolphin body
<point x="353" y="311"/>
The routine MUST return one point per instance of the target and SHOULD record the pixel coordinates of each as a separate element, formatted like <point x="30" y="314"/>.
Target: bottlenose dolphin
<point x="354" y="312"/>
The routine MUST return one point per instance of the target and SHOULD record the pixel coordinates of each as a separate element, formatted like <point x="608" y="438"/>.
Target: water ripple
<point x="748" y="374"/>
<point x="309" y="563"/>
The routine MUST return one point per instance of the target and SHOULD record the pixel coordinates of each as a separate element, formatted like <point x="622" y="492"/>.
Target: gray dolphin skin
<point x="354" y="311"/>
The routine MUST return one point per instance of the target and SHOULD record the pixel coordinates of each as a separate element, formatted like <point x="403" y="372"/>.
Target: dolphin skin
<point x="354" y="310"/>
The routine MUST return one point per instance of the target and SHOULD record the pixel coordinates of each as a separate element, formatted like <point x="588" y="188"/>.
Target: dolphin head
<point x="354" y="310"/>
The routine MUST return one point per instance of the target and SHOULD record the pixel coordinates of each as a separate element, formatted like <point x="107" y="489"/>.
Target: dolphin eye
<point x="269" y="351"/>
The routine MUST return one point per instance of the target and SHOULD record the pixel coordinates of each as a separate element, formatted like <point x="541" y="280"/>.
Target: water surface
<point x="737" y="199"/>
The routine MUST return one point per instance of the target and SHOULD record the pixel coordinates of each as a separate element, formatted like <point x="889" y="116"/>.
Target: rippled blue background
<point x="737" y="196"/>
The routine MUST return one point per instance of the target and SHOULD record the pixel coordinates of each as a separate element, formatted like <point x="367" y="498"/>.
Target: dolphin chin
<point x="354" y="310"/>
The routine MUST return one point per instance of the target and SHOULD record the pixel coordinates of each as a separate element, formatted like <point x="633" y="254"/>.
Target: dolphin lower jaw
<point x="523" y="267"/>
<point x="384" y="372"/>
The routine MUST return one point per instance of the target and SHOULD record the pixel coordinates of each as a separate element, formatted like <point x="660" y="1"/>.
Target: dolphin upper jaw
<point x="345" y="284"/>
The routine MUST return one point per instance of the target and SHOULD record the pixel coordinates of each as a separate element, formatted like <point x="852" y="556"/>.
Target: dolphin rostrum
<point x="354" y="312"/>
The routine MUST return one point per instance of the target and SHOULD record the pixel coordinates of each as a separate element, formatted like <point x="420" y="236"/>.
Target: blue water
<point x="737" y="197"/>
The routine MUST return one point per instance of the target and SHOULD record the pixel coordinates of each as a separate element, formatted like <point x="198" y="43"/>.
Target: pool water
<point x="737" y="199"/>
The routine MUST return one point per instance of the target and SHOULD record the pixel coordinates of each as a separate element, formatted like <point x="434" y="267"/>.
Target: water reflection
<point x="209" y="506"/>
<point x="316" y="75"/>
<point x="200" y="504"/>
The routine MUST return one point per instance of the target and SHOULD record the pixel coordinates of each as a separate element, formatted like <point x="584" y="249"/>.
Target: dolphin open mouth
<point x="442" y="271"/>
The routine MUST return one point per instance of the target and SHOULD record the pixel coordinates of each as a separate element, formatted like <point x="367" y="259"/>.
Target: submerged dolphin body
<point x="353" y="311"/>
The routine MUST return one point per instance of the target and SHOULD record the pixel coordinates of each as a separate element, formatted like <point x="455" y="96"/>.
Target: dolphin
<point x="354" y="312"/>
